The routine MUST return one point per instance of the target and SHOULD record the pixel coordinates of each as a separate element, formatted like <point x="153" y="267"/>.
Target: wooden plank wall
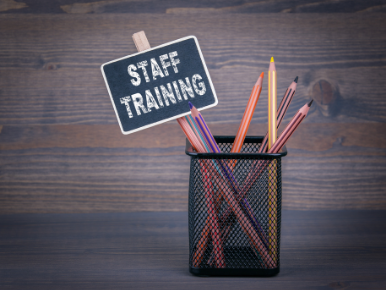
<point x="61" y="149"/>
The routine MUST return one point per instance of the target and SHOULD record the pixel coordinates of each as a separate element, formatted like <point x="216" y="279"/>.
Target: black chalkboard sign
<point x="154" y="86"/>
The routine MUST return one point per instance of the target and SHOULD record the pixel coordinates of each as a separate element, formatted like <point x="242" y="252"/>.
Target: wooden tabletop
<point x="146" y="250"/>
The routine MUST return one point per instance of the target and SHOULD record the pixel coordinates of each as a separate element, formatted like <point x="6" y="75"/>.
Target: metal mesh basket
<point x="234" y="210"/>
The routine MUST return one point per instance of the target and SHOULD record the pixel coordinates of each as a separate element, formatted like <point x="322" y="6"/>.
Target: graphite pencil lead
<point x="310" y="103"/>
<point x="296" y="79"/>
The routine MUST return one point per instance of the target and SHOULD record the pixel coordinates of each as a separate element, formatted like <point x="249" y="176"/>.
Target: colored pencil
<point x="272" y="103"/>
<point x="259" y="169"/>
<point x="248" y="114"/>
<point x="209" y="139"/>
<point x="284" y="104"/>
<point x="291" y="127"/>
<point x="197" y="145"/>
<point x="213" y="147"/>
<point x="204" y="129"/>
<point x="212" y="217"/>
<point x="227" y="195"/>
<point x="287" y="98"/>
<point x="283" y="138"/>
<point x="280" y="142"/>
<point x="201" y="245"/>
<point x="272" y="131"/>
<point x="193" y="125"/>
<point x="202" y="132"/>
<point x="247" y="227"/>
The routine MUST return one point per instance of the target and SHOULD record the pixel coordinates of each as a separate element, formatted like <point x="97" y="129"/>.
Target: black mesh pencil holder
<point x="234" y="210"/>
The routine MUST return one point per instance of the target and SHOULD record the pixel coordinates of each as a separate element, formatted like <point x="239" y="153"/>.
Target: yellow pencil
<point x="272" y="136"/>
<point x="272" y="103"/>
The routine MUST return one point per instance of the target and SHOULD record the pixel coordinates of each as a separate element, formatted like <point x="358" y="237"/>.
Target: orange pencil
<point x="248" y="114"/>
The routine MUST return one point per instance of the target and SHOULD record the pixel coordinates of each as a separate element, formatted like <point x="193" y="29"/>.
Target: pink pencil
<point x="291" y="127"/>
<point x="278" y="145"/>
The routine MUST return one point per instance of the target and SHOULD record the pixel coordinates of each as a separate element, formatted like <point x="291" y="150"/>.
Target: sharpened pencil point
<point x="296" y="79"/>
<point x="310" y="103"/>
<point x="272" y="60"/>
<point x="190" y="105"/>
<point x="262" y="75"/>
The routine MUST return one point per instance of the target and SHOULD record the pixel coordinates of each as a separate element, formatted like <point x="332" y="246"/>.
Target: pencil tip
<point x="272" y="60"/>
<point x="190" y="105"/>
<point x="310" y="103"/>
<point x="296" y="79"/>
<point x="262" y="75"/>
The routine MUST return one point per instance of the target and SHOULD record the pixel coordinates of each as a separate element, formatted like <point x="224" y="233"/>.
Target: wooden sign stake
<point x="140" y="41"/>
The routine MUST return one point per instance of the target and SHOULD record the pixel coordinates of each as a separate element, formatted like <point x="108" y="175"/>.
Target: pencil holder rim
<point x="229" y="139"/>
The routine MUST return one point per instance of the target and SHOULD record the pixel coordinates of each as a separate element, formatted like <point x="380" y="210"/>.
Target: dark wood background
<point x="61" y="147"/>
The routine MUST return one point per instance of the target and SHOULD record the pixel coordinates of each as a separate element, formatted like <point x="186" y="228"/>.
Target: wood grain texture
<point x="55" y="73"/>
<point x="199" y="6"/>
<point x="310" y="136"/>
<point x="319" y="250"/>
<point x="86" y="168"/>
<point x="60" y="145"/>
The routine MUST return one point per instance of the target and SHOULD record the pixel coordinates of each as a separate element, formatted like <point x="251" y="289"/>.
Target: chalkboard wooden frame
<point x="122" y="118"/>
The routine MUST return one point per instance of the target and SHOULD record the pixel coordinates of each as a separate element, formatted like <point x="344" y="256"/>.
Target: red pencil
<point x="291" y="127"/>
<point x="280" y="142"/>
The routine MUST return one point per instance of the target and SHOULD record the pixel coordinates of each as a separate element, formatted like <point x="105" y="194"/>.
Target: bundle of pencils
<point x="218" y="226"/>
